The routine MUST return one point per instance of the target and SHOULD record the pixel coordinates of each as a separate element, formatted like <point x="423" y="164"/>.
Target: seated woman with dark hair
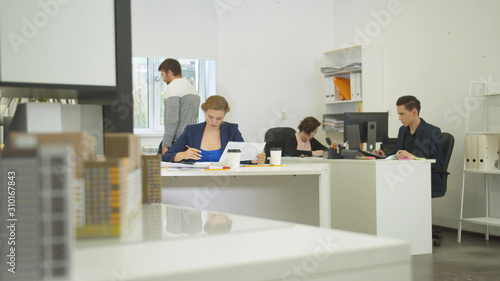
<point x="303" y="143"/>
<point x="206" y="141"/>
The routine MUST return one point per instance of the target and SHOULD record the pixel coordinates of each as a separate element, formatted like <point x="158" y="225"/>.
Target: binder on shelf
<point x="468" y="155"/>
<point x="481" y="152"/>
<point x="358" y="85"/>
<point x="343" y="87"/>
<point x="352" y="83"/>
<point x="328" y="85"/>
<point x="334" y="96"/>
<point x="474" y="164"/>
<point x="488" y="147"/>
<point x="355" y="85"/>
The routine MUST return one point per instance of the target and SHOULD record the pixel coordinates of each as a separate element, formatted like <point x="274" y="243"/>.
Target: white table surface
<point x="311" y="169"/>
<point x="249" y="190"/>
<point x="301" y="160"/>
<point x="270" y="251"/>
<point x="390" y="198"/>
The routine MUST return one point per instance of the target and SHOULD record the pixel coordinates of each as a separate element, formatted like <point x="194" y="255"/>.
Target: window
<point x="149" y="88"/>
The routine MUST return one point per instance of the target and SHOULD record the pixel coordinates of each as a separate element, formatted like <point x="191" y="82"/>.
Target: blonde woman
<point x="206" y="141"/>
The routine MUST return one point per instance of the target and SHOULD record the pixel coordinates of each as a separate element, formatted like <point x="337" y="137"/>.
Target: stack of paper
<point x="351" y="66"/>
<point x="333" y="121"/>
<point x="329" y="69"/>
<point x="348" y="67"/>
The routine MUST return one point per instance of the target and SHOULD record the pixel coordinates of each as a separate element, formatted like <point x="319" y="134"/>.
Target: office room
<point x="265" y="58"/>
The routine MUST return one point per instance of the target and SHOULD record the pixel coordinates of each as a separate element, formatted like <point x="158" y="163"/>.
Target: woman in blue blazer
<point x="206" y="141"/>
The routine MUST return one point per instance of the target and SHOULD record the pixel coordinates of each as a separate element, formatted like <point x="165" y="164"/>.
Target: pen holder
<point x="333" y="154"/>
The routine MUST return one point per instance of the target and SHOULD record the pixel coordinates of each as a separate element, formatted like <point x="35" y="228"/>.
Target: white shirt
<point x="179" y="87"/>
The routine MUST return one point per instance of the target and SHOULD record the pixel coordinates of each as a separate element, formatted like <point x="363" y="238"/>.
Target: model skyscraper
<point x="38" y="184"/>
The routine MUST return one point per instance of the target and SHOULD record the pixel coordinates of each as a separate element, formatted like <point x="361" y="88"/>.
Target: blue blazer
<point x="193" y="134"/>
<point x="428" y="144"/>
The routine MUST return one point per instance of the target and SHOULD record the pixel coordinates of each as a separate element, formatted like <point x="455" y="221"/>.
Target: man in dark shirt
<point x="417" y="138"/>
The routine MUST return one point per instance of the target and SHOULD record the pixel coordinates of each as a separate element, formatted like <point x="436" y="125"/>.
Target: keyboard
<point x="366" y="153"/>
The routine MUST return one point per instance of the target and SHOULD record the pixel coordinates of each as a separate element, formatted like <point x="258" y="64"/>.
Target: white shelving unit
<point x="482" y="124"/>
<point x="369" y="77"/>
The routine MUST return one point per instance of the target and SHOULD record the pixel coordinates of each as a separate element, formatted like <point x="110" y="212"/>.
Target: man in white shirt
<point x="182" y="102"/>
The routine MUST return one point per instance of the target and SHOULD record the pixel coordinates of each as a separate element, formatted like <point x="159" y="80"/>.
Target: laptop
<point x="354" y="141"/>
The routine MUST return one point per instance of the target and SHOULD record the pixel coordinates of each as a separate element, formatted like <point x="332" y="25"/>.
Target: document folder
<point x="343" y="86"/>
<point x="468" y="152"/>
<point x="328" y="86"/>
<point x="474" y="150"/>
<point x="487" y="151"/>
<point x="355" y="85"/>
<point x="481" y="152"/>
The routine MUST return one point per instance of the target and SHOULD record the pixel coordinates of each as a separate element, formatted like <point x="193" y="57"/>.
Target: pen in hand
<point x="197" y="153"/>
<point x="188" y="147"/>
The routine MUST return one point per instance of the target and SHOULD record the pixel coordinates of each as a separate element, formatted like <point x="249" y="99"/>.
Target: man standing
<point x="182" y="102"/>
<point x="417" y="138"/>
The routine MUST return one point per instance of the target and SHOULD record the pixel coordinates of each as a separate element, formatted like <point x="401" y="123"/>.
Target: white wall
<point x="432" y="49"/>
<point x="268" y="58"/>
<point x="268" y="53"/>
<point x="174" y="28"/>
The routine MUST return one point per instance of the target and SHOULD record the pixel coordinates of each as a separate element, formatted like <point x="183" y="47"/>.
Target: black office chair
<point x="389" y="145"/>
<point x="159" y="147"/>
<point x="276" y="137"/>
<point x="448" y="141"/>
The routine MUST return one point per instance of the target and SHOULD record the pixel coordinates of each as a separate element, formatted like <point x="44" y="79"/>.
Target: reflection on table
<point x="173" y="243"/>
<point x="161" y="222"/>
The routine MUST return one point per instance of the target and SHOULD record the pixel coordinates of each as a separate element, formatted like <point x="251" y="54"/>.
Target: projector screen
<point x="68" y="42"/>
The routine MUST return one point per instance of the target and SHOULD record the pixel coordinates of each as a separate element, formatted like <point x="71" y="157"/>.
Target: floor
<point x="474" y="259"/>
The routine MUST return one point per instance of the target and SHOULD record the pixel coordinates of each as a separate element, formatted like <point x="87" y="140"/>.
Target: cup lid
<point x="275" y="148"/>
<point x="234" y="150"/>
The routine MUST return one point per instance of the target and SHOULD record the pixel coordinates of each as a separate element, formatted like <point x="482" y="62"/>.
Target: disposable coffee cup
<point x="275" y="155"/>
<point x="233" y="158"/>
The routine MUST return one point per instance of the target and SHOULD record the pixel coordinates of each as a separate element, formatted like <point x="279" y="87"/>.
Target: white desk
<point x="294" y="193"/>
<point x="255" y="249"/>
<point x="388" y="198"/>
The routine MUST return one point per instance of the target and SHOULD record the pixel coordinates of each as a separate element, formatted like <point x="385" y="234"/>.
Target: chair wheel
<point x="437" y="239"/>
<point x="436" y="242"/>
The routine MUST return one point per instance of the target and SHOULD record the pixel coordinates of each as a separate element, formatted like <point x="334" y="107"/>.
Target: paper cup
<point x="275" y="155"/>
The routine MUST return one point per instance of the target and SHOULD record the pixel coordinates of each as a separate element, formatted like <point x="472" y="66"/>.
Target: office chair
<point x="448" y="141"/>
<point x="389" y="145"/>
<point x="276" y="137"/>
<point x="159" y="147"/>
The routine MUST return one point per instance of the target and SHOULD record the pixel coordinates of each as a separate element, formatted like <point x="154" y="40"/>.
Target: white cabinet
<point x="362" y="65"/>
<point x="481" y="153"/>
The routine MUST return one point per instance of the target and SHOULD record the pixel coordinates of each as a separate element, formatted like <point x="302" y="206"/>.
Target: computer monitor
<point x="373" y="126"/>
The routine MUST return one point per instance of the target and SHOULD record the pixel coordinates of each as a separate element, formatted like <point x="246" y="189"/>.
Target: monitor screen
<point x="362" y="118"/>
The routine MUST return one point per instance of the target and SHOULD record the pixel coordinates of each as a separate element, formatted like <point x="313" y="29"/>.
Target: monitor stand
<point x="371" y="136"/>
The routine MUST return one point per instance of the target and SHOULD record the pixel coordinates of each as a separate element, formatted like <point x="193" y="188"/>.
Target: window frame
<point x="205" y="74"/>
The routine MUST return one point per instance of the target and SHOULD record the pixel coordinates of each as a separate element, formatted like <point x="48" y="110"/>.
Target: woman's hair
<point x="215" y="103"/>
<point x="308" y="125"/>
